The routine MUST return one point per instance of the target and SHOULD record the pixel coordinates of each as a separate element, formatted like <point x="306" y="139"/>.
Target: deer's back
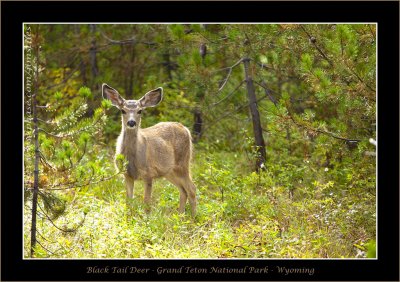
<point x="168" y="136"/>
<point x="168" y="147"/>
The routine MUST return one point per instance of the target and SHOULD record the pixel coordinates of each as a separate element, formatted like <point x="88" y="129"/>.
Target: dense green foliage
<point x="315" y="85"/>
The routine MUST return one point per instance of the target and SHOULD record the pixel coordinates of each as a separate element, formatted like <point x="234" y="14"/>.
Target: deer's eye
<point x="139" y="112"/>
<point x="122" y="111"/>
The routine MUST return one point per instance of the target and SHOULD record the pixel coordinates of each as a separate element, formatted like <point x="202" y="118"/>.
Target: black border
<point x="13" y="14"/>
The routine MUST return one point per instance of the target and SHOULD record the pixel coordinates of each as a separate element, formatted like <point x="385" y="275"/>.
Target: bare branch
<point x="44" y="161"/>
<point x="44" y="107"/>
<point x="282" y="71"/>
<point x="229" y="73"/>
<point x="47" y="250"/>
<point x="128" y="41"/>
<point x="51" y="134"/>
<point x="225" y="80"/>
<point x="359" y="78"/>
<point x="233" y="112"/>
<point x="66" y="78"/>
<point x="268" y="92"/>
<point x="131" y="40"/>
<point x="227" y="96"/>
<point x="179" y="106"/>
<point x="59" y="228"/>
<point x="72" y="185"/>
<point x="51" y="242"/>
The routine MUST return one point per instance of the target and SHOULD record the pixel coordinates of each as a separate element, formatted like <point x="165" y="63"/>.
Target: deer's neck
<point x="130" y="140"/>
<point x="128" y="146"/>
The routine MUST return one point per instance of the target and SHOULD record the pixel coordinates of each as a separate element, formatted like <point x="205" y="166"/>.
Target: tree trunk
<point x="167" y="64"/>
<point x="94" y="85"/>
<point x="82" y="61"/>
<point x="37" y="156"/>
<point x="129" y="91"/>
<point x="255" y="116"/>
<point x="198" y="123"/>
<point x="83" y="72"/>
<point x="93" y="52"/>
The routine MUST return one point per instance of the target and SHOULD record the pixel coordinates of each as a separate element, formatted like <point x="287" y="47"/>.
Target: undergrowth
<point x="241" y="214"/>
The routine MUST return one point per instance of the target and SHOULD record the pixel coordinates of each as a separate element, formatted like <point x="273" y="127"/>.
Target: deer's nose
<point x="131" y="123"/>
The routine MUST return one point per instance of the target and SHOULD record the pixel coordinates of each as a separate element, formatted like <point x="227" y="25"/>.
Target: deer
<point x="162" y="150"/>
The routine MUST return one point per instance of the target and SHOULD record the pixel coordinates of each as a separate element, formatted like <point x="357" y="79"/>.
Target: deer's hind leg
<point x="187" y="189"/>
<point x="191" y="191"/>
<point x="182" y="192"/>
<point x="182" y="199"/>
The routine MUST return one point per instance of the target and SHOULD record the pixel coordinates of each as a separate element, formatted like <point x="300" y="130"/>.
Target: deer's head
<point x="132" y="109"/>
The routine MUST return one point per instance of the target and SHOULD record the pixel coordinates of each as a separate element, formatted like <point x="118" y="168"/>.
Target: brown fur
<point x="162" y="150"/>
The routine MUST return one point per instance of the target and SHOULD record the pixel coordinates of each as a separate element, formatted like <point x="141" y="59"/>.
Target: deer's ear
<point x="111" y="94"/>
<point x="151" y="98"/>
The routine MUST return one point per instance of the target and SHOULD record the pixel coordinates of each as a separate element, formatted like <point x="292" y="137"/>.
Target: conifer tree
<point x="63" y="154"/>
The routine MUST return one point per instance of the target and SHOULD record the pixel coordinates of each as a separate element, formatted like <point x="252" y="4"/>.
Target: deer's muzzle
<point x="131" y="123"/>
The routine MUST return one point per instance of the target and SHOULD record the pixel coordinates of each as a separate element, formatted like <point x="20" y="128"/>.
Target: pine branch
<point x="74" y="165"/>
<point x="313" y="41"/>
<point x="38" y="119"/>
<point x="318" y="130"/>
<point x="359" y="78"/>
<point x="73" y="132"/>
<point x="83" y="154"/>
<point x="372" y="32"/>
<point x="72" y="185"/>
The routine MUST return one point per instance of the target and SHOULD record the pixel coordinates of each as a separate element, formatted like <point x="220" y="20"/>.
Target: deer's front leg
<point x="129" y="182"/>
<point x="147" y="194"/>
<point x="147" y="191"/>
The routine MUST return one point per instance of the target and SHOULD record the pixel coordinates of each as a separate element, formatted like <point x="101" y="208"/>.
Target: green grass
<point x="240" y="215"/>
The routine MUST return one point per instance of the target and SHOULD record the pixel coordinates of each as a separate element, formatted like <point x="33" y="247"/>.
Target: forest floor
<point x="241" y="214"/>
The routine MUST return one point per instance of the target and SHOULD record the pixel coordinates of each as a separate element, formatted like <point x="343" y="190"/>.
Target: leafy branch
<point x="314" y="42"/>
<point x="308" y="127"/>
<point x="75" y="184"/>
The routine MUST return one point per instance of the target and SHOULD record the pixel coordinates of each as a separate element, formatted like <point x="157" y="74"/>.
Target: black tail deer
<point x="162" y="150"/>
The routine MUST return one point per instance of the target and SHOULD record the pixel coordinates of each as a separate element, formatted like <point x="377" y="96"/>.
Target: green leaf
<point x="263" y="59"/>
<point x="306" y="62"/>
<point x="177" y="30"/>
<point x="58" y="95"/>
<point x="106" y="104"/>
<point x="85" y="92"/>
